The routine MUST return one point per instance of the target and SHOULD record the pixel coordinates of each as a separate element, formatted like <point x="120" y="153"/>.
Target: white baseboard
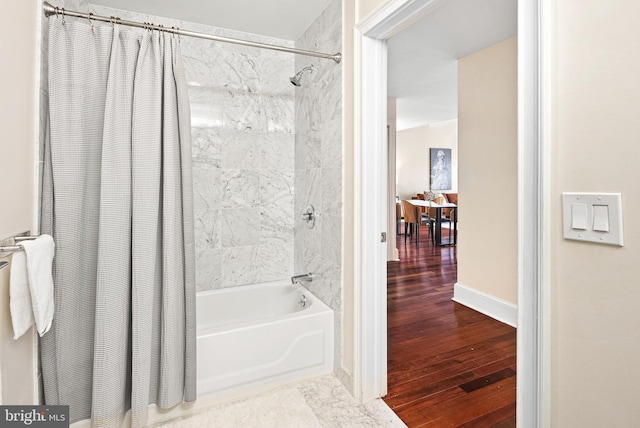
<point x="493" y="307"/>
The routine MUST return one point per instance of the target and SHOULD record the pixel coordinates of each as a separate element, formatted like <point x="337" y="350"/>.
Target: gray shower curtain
<point x="117" y="197"/>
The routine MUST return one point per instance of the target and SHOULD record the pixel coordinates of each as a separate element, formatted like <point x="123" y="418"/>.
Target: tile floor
<point x="320" y="402"/>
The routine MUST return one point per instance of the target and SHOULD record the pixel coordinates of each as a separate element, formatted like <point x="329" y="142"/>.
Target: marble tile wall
<point x="318" y="163"/>
<point x="243" y="123"/>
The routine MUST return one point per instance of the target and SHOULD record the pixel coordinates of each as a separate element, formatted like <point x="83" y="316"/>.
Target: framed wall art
<point x="440" y="169"/>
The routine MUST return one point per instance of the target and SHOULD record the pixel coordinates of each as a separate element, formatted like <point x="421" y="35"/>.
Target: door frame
<point x="371" y="211"/>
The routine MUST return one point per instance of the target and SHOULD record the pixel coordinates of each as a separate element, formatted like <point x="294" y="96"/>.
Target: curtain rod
<point x="53" y="10"/>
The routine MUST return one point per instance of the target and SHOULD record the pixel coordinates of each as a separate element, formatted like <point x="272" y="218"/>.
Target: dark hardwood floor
<point x="448" y="365"/>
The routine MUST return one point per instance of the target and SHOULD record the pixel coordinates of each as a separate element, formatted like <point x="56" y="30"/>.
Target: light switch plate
<point x="614" y="203"/>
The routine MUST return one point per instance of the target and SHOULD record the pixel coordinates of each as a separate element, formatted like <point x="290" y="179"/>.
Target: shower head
<point x="295" y="80"/>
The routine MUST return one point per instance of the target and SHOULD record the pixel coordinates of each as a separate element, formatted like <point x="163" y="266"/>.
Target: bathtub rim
<point x="315" y="306"/>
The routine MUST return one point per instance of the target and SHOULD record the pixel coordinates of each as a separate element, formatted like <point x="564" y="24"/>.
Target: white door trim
<point x="370" y="371"/>
<point x="533" y="193"/>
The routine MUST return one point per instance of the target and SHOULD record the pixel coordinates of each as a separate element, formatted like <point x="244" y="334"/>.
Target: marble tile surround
<point x="318" y="402"/>
<point x="318" y="164"/>
<point x="243" y="136"/>
<point x="246" y="121"/>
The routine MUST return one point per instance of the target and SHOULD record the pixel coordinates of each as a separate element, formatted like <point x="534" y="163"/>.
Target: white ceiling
<point x="283" y="19"/>
<point x="422" y="61"/>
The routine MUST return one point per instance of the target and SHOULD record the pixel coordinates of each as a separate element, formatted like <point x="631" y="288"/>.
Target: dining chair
<point x="413" y="218"/>
<point x="450" y="219"/>
<point x="422" y="210"/>
<point x="398" y="219"/>
<point x="410" y="219"/>
<point x="429" y="222"/>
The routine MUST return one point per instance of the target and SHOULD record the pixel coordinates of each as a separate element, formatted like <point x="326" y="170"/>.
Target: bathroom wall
<point x="318" y="157"/>
<point x="242" y="118"/>
<point x="348" y="191"/>
<point x="19" y="46"/>
<point x="594" y="136"/>
<point x="18" y="72"/>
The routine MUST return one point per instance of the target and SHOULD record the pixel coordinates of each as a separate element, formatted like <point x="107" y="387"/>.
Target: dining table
<point x="438" y="228"/>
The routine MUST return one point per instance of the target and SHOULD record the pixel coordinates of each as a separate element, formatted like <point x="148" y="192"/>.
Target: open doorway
<point x="371" y="198"/>
<point x="453" y="78"/>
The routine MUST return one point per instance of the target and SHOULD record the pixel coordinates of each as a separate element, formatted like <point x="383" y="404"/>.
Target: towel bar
<point x="8" y="248"/>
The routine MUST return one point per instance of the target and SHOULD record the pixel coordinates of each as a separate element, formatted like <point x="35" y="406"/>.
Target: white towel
<point x="39" y="255"/>
<point x="31" y="286"/>
<point x="19" y="295"/>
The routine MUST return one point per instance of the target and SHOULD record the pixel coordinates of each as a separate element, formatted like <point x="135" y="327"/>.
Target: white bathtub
<point x="250" y="339"/>
<point x="255" y="337"/>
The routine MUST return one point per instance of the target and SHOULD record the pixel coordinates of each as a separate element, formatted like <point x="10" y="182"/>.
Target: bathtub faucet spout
<point x="306" y="277"/>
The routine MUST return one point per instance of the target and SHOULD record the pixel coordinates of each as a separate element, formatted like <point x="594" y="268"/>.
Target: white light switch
<point x="601" y="218"/>
<point x="579" y="216"/>
<point x="593" y="217"/>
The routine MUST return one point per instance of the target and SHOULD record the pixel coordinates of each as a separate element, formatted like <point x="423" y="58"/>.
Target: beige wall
<point x="413" y="156"/>
<point x="348" y="192"/>
<point x="18" y="359"/>
<point x="18" y="118"/>
<point x="487" y="144"/>
<point x="364" y="7"/>
<point x="596" y="148"/>
<point x="18" y="133"/>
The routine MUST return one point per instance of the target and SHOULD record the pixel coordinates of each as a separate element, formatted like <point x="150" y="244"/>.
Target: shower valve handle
<point x="309" y="216"/>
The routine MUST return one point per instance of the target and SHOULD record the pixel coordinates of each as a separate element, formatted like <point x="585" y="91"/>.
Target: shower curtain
<point x="117" y="197"/>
